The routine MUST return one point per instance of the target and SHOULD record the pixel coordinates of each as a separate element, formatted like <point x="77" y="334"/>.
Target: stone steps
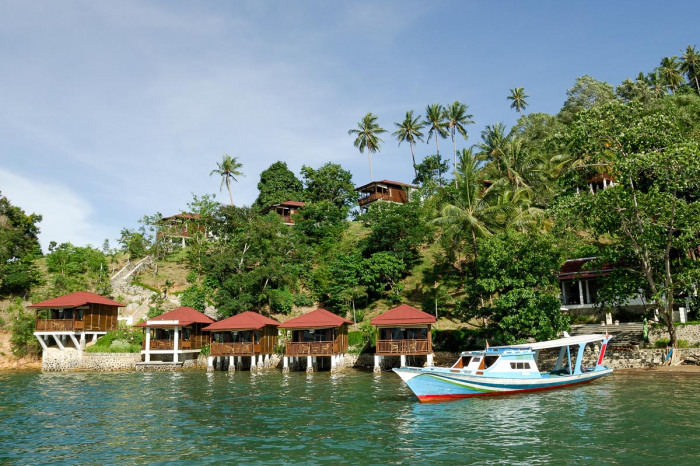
<point x="624" y="335"/>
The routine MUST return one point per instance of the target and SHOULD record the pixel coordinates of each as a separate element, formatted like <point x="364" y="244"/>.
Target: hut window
<point x="308" y="335"/>
<point x="397" y="334"/>
<point x="257" y="337"/>
<point x="185" y="334"/>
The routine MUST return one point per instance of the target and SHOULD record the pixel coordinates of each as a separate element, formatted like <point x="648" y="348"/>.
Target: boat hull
<point x="430" y="384"/>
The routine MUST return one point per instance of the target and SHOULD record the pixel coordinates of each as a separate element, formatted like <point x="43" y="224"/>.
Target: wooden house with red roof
<point x="74" y="316"/>
<point x="285" y="210"/>
<point x="320" y="333"/>
<point x="403" y="331"/>
<point x="250" y="335"/>
<point x="175" y="336"/>
<point x="385" y="190"/>
<point x="180" y="227"/>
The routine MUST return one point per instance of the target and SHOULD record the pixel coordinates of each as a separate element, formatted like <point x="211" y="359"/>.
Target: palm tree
<point x="493" y="141"/>
<point x="435" y="118"/>
<point x="409" y="130"/>
<point x="690" y="65"/>
<point x="457" y="118"/>
<point x="367" y="137"/>
<point x="657" y="83"/>
<point x="670" y="70"/>
<point x="228" y="169"/>
<point x="518" y="97"/>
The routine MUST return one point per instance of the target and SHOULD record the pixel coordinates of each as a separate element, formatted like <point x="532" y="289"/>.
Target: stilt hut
<point x="246" y="335"/>
<point x="175" y="336"/>
<point x="319" y="333"/>
<point x="403" y="331"/>
<point x="74" y="317"/>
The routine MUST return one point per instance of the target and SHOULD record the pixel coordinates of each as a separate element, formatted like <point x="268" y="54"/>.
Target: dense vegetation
<point x="483" y="235"/>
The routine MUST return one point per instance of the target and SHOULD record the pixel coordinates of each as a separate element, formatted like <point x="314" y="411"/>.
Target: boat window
<point x="476" y="360"/>
<point x="490" y="361"/>
<point x="520" y="365"/>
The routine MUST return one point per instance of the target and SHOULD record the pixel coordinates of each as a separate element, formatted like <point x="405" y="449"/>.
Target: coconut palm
<point x="457" y="118"/>
<point x="690" y="65"/>
<point x="228" y="170"/>
<point x="670" y="69"/>
<point x="493" y="141"/>
<point x="409" y="130"/>
<point x="435" y="118"/>
<point x="657" y="83"/>
<point x="367" y="137"/>
<point x="518" y="97"/>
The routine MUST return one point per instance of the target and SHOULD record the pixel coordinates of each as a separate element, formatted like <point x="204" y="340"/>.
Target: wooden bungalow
<point x="180" y="227"/>
<point x="176" y="335"/>
<point x="385" y="190"/>
<point x="285" y="210"/>
<point x="249" y="335"/>
<point x="319" y="333"/>
<point x="403" y="331"/>
<point x="74" y="316"/>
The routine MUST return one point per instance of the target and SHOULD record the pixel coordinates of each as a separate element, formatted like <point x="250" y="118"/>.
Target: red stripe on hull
<point x="433" y="398"/>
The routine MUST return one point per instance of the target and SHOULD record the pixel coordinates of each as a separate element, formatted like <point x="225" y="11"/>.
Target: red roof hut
<point x="318" y="333"/>
<point x="385" y="190"/>
<point x="247" y="334"/>
<point x="76" y="314"/>
<point x="403" y="331"/>
<point x="285" y="210"/>
<point x="178" y="333"/>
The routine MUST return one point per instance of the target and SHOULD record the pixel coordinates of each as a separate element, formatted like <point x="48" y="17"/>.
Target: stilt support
<point x="377" y="364"/>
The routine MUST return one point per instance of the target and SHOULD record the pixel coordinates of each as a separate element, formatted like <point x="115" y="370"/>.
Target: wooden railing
<point x="168" y="344"/>
<point x="234" y="349"/>
<point x="374" y="197"/>
<point x="312" y="348"/>
<point x="56" y="325"/>
<point x="403" y="347"/>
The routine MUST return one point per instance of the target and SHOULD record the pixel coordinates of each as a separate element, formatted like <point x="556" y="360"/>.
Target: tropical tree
<point x="657" y="83"/>
<point x="435" y="118"/>
<point x="670" y="69"/>
<point x="690" y="65"/>
<point x="518" y="97"/>
<point x="367" y="137"/>
<point x="228" y="169"/>
<point x="409" y="130"/>
<point x="457" y="118"/>
<point x="278" y="184"/>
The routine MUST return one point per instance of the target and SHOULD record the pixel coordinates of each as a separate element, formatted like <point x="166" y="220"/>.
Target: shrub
<point x="281" y="300"/>
<point x="459" y="340"/>
<point x="303" y="300"/>
<point x="123" y="340"/>
<point x="662" y="343"/>
<point x="23" y="342"/>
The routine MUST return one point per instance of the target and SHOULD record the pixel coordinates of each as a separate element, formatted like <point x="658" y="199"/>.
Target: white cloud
<point x="66" y="216"/>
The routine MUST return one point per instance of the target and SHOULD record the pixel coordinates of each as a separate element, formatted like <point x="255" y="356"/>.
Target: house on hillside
<point x="73" y="317"/>
<point x="174" y="337"/>
<point x="403" y="331"/>
<point x="285" y="210"/>
<point x="180" y="227"/>
<point x="248" y="335"/>
<point x="318" y="334"/>
<point x="385" y="190"/>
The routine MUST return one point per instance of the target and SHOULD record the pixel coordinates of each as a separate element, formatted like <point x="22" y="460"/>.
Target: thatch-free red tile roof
<point x="320" y="318"/>
<point x="79" y="298"/>
<point x="403" y="315"/>
<point x="245" y="321"/>
<point x="573" y="269"/>
<point x="183" y="315"/>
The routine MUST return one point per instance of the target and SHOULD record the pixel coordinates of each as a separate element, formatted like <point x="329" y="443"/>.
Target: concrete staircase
<point x="624" y="335"/>
<point x="127" y="272"/>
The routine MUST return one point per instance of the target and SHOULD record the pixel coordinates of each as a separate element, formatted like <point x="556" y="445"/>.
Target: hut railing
<point x="403" y="347"/>
<point x="234" y="349"/>
<point x="56" y="325"/>
<point x="312" y="348"/>
<point x="168" y="344"/>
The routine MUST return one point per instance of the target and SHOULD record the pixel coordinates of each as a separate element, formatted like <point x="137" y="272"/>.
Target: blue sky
<point x="113" y="110"/>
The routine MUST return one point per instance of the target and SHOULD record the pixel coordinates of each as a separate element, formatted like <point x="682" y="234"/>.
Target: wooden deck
<point x="169" y="345"/>
<point x="312" y="348"/>
<point x="407" y="347"/>
<point x="59" y="325"/>
<point x="235" y="349"/>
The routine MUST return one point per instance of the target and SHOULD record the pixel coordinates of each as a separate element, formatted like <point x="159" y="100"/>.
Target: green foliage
<point x="320" y="222"/>
<point x="206" y="350"/>
<point x="19" y="246"/>
<point x="281" y="300"/>
<point x="303" y="300"/>
<point x="363" y="339"/>
<point x="195" y="297"/>
<point x="586" y="94"/>
<point x="513" y="286"/>
<point x="431" y="169"/>
<point x="123" y="340"/>
<point x="459" y="339"/>
<point x="278" y="184"/>
<point x="22" y="341"/>
<point x="156" y="308"/>
<point x="330" y="183"/>
<point x="381" y="274"/>
<point x="134" y="243"/>
<point x="662" y="343"/>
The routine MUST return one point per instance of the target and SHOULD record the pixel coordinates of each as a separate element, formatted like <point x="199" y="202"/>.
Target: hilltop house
<point x="385" y="190"/>
<point x="248" y="335"/>
<point x="285" y="210"/>
<point x="74" y="316"/>
<point x="403" y="331"/>
<point x="175" y="336"/>
<point x="319" y="333"/>
<point x="180" y="227"/>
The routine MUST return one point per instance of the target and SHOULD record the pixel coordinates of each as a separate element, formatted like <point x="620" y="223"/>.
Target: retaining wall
<point x="689" y="333"/>
<point x="55" y="360"/>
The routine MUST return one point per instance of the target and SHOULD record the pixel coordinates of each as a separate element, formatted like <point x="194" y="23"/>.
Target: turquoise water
<point x="349" y="418"/>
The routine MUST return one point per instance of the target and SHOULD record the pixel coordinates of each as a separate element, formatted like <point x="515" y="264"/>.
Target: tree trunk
<point x="228" y="185"/>
<point x="415" y="170"/>
<point x="454" y="149"/>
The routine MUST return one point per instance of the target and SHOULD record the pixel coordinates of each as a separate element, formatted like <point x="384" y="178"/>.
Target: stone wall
<point x="689" y="333"/>
<point x="55" y="360"/>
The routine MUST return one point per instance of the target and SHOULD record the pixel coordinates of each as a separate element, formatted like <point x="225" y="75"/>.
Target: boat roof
<point x="575" y="340"/>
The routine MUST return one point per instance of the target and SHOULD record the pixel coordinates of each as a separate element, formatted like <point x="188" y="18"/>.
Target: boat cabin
<point x="73" y="317"/>
<point x="285" y="210"/>
<point x="403" y="331"/>
<point x="175" y="336"/>
<point x="320" y="333"/>
<point x="248" y="335"/>
<point x="385" y="190"/>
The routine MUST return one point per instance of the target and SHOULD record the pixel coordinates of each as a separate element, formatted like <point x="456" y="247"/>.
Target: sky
<point x="110" y="111"/>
